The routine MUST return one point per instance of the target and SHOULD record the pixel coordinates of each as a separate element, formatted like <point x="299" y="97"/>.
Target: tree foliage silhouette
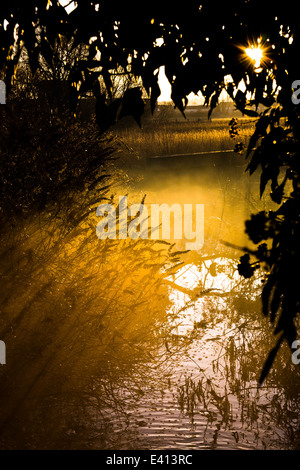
<point x="202" y="45"/>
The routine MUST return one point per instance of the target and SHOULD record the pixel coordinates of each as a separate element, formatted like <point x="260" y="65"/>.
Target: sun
<point x="255" y="53"/>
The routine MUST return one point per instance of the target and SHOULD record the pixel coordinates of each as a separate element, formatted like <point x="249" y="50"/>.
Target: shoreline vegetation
<point x="167" y="132"/>
<point x="90" y="326"/>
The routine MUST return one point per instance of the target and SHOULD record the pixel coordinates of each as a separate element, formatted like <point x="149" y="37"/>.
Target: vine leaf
<point x="133" y="104"/>
<point x="269" y="361"/>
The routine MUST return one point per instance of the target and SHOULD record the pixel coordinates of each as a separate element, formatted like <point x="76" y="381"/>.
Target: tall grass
<point x="158" y="138"/>
<point x="80" y="317"/>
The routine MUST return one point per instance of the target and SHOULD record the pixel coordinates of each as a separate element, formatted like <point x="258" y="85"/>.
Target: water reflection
<point x="81" y="319"/>
<point x="129" y="345"/>
<point x="208" y="396"/>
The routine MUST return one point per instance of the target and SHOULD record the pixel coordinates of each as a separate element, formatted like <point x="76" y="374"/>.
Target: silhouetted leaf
<point x="275" y="303"/>
<point x="154" y="94"/>
<point x="255" y="161"/>
<point x="245" y="269"/>
<point x="257" y="227"/>
<point x="132" y="104"/>
<point x="249" y="112"/>
<point x="269" y="361"/>
<point x="267" y="290"/>
<point x="213" y="103"/>
<point x="240" y="99"/>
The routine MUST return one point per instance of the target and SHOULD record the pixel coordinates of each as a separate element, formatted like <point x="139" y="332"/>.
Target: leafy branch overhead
<point x="199" y="46"/>
<point x="99" y="46"/>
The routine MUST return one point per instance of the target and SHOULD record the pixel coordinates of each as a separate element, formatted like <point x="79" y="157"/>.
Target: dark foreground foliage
<point x="201" y="46"/>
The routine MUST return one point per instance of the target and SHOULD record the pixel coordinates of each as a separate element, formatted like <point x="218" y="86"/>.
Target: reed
<point x="157" y="138"/>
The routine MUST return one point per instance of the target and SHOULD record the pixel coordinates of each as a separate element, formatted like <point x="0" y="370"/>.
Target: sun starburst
<point x="255" y="54"/>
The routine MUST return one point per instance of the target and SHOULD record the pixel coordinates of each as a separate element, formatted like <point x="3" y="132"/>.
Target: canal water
<point x="202" y="392"/>
<point x="137" y="344"/>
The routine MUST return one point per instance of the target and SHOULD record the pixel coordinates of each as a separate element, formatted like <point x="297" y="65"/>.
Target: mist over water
<point x="219" y="182"/>
<point x="131" y="344"/>
<point x="208" y="397"/>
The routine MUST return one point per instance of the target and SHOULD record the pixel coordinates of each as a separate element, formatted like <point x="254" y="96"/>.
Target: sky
<point x="165" y="87"/>
<point x="164" y="84"/>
